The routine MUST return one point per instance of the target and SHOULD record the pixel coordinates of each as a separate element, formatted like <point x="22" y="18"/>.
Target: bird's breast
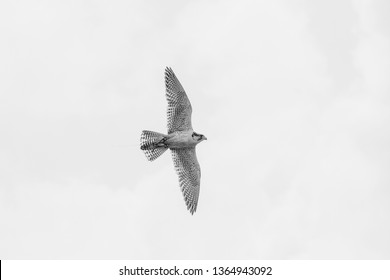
<point x="180" y="139"/>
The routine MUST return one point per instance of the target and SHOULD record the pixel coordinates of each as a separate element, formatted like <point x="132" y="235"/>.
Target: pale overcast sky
<point x="294" y="97"/>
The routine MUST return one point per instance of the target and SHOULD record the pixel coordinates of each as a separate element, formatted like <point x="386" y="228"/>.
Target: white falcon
<point x="181" y="139"/>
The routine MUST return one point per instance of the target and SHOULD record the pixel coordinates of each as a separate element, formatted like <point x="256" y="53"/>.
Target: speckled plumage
<point x="188" y="170"/>
<point x="179" y="106"/>
<point x="181" y="140"/>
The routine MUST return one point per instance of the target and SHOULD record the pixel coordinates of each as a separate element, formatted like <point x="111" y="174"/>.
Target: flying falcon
<point x="181" y="140"/>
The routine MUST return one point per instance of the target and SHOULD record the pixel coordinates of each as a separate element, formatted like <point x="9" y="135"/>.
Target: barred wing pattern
<point x="179" y="106"/>
<point x="188" y="169"/>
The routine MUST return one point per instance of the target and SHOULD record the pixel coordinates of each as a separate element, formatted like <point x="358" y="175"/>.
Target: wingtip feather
<point x="169" y="71"/>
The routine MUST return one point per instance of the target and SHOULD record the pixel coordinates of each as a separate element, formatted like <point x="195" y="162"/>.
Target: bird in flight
<point x="180" y="139"/>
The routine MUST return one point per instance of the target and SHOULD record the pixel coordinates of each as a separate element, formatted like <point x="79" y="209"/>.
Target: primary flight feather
<point x="181" y="140"/>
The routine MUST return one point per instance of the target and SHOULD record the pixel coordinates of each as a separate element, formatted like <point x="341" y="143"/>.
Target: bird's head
<point x="198" y="137"/>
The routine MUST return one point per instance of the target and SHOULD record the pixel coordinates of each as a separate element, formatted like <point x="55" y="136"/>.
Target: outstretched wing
<point x="188" y="170"/>
<point x="179" y="106"/>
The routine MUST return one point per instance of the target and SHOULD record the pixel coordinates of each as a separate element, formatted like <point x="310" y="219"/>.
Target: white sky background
<point x="293" y="97"/>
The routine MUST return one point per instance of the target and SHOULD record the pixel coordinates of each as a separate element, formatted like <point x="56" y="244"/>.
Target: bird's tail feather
<point x="153" y="144"/>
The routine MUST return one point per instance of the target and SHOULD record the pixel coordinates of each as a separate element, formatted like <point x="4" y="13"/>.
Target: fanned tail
<point x="153" y="144"/>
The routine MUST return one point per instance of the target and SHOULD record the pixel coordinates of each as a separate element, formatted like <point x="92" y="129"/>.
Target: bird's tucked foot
<point x="161" y="143"/>
<point x="153" y="144"/>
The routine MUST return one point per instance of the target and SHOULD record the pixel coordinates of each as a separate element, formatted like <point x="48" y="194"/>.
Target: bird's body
<point x="174" y="140"/>
<point x="181" y="140"/>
